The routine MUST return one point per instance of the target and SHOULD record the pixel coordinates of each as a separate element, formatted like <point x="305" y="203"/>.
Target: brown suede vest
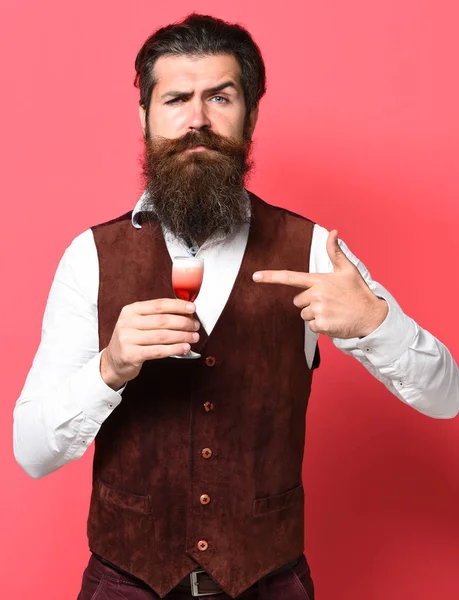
<point x="245" y="400"/>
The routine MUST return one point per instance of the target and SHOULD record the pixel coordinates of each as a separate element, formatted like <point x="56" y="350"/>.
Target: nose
<point x="198" y="117"/>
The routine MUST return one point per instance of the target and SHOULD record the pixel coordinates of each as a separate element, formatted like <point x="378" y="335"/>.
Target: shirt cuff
<point x="96" y="399"/>
<point x="388" y="342"/>
<point x="391" y="339"/>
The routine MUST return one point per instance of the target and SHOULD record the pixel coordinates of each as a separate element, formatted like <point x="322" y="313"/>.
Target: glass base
<point x="189" y="354"/>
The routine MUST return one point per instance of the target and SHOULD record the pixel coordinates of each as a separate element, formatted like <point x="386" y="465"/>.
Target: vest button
<point x="203" y="545"/>
<point x="205" y="499"/>
<point x="210" y="361"/>
<point x="206" y="453"/>
<point x="208" y="406"/>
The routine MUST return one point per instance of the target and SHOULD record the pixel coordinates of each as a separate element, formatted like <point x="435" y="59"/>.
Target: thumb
<point x="338" y="259"/>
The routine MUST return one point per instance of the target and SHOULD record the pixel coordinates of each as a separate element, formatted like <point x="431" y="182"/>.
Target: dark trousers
<point x="101" y="582"/>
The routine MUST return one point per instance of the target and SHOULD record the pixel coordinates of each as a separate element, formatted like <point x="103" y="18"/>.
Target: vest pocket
<point x="109" y="495"/>
<point x="269" y="504"/>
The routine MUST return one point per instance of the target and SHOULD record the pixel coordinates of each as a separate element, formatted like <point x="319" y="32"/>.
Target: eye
<point x="174" y="101"/>
<point x="220" y="99"/>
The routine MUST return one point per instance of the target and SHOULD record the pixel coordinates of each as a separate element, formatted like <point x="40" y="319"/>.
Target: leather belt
<point x="199" y="583"/>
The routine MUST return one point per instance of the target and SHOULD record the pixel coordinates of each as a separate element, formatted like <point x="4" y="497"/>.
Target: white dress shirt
<point x="65" y="401"/>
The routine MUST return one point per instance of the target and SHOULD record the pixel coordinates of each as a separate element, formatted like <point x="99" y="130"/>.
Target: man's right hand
<point x="147" y="331"/>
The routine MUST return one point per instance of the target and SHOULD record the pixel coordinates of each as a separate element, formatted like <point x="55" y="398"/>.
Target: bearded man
<point x="197" y="479"/>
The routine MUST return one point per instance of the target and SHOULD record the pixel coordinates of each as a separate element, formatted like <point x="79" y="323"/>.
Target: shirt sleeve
<point x="65" y="400"/>
<point x="412" y="364"/>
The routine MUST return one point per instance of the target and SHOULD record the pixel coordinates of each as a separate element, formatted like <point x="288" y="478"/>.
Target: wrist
<point x="109" y="374"/>
<point x="377" y="316"/>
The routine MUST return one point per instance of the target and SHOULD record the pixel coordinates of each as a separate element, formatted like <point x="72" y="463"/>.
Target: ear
<point x="253" y="120"/>
<point x="142" y="116"/>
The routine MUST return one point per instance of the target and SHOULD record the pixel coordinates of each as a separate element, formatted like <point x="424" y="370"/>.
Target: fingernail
<point x="186" y="347"/>
<point x="190" y="307"/>
<point x="257" y="276"/>
<point x="195" y="337"/>
<point x="197" y="325"/>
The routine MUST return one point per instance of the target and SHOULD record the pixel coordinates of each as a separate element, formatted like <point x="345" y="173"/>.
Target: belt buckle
<point x="195" y="585"/>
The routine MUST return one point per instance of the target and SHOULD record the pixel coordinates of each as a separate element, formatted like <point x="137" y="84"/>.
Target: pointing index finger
<point x="293" y="278"/>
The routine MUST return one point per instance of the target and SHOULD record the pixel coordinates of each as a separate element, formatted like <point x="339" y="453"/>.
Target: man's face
<point x="197" y="146"/>
<point x="192" y="93"/>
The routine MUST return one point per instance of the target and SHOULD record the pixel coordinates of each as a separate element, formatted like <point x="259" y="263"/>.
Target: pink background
<point x="359" y="131"/>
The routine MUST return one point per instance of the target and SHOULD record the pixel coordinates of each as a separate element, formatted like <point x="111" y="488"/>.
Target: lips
<point x="198" y="149"/>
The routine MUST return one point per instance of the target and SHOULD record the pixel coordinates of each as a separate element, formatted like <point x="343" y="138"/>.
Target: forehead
<point x="192" y="72"/>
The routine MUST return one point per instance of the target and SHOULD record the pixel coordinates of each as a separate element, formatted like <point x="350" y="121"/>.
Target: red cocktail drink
<point x="187" y="275"/>
<point x="187" y="280"/>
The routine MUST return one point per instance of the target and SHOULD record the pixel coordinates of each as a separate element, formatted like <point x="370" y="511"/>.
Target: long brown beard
<point x="195" y="194"/>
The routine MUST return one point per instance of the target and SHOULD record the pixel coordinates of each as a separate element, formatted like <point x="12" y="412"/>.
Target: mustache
<point x="205" y="137"/>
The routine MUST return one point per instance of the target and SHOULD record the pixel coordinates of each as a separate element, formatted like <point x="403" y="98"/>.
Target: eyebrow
<point x="213" y="90"/>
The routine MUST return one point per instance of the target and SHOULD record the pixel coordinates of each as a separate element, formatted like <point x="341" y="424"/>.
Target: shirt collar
<point x="139" y="208"/>
<point x="217" y="238"/>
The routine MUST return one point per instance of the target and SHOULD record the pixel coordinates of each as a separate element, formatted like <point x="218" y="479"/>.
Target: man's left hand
<point x="339" y="304"/>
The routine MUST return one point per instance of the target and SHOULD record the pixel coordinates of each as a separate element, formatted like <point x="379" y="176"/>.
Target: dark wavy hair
<point x="203" y="35"/>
